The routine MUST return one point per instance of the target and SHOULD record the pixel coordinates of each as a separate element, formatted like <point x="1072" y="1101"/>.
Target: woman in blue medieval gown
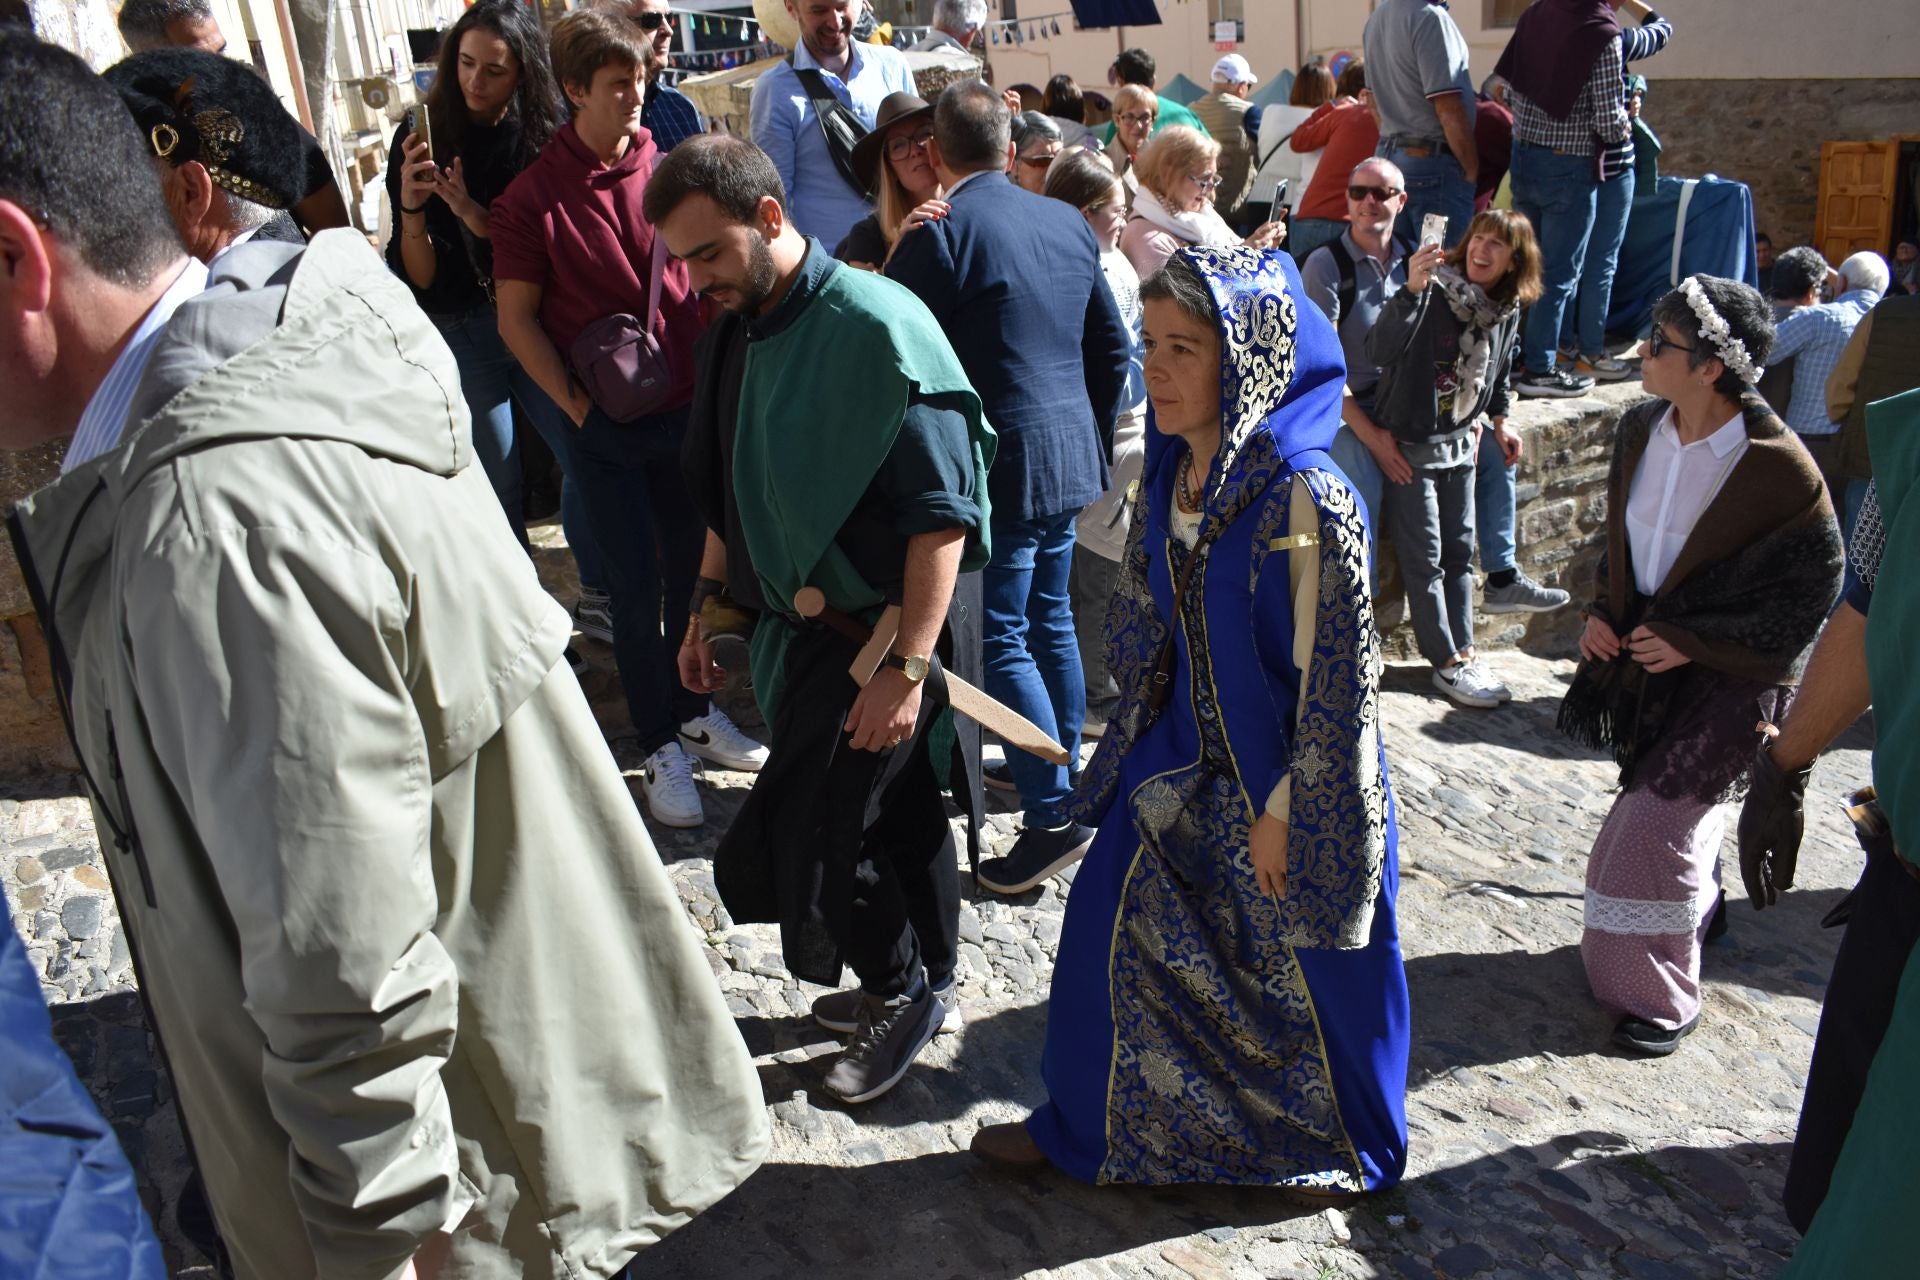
<point x="1229" y="1003"/>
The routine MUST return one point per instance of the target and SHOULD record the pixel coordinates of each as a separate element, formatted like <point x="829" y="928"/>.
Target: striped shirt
<point x="1815" y="337"/>
<point x="1643" y="41"/>
<point x="1598" y="116"/>
<point x="105" y="416"/>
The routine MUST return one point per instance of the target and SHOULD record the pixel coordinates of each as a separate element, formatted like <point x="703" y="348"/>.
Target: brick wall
<point x="1767" y="134"/>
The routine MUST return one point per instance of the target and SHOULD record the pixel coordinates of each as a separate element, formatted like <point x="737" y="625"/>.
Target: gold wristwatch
<point x="913" y="668"/>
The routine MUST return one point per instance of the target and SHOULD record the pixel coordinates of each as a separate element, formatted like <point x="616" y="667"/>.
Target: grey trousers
<point x="1432" y="523"/>
<point x="1092" y="582"/>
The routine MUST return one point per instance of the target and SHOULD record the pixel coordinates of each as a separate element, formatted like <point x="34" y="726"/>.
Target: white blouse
<point x="1672" y="488"/>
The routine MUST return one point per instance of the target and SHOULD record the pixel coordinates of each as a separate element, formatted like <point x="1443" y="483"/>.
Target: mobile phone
<point x="422" y="127"/>
<point x="1433" y="229"/>
<point x="1279" y="197"/>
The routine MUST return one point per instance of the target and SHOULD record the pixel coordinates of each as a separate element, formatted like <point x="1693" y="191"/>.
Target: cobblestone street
<point x="1536" y="1149"/>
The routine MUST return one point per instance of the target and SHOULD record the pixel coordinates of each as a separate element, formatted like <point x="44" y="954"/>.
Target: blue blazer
<point x="1014" y="279"/>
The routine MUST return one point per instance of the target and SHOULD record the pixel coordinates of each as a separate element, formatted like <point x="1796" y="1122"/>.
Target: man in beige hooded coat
<point x="429" y="999"/>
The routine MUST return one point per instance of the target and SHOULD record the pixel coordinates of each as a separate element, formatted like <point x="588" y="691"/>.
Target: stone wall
<point x="1767" y="134"/>
<point x="32" y="739"/>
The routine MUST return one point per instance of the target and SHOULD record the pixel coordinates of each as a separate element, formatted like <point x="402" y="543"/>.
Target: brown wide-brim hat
<point x="868" y="151"/>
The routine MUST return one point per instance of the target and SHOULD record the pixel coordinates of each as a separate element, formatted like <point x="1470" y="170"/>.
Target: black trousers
<point x="848" y="851"/>
<point x="1881" y="931"/>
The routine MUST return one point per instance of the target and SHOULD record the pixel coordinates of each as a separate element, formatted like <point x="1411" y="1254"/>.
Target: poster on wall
<point x="1226" y="36"/>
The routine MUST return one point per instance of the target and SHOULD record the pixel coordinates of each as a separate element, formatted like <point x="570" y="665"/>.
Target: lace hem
<point x="1641" y="916"/>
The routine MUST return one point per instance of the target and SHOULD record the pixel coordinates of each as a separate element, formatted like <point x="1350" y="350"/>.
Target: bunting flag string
<point x="754" y="44"/>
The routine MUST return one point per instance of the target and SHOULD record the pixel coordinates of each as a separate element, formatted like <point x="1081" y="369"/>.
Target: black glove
<point x="1771" y="822"/>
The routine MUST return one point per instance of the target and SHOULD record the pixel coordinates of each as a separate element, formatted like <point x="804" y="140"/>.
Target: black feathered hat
<point x="193" y="105"/>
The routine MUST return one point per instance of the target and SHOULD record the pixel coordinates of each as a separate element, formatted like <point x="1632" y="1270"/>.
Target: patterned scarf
<point x="1479" y="316"/>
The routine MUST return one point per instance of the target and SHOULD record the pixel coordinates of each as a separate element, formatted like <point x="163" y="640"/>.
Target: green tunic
<point x="862" y="348"/>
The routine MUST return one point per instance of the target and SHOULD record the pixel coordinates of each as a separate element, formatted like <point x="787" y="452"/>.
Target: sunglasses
<point x="1039" y="162"/>
<point x="1357" y="193"/>
<point x="1136" y="117"/>
<point x="901" y="148"/>
<point x="650" y="20"/>
<point x="1205" y="184"/>
<point x="1658" y="342"/>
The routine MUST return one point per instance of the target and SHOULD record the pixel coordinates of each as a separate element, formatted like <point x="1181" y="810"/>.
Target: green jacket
<point x="410" y="951"/>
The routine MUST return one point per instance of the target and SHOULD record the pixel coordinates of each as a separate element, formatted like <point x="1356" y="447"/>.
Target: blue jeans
<point x="553" y="427"/>
<point x="650" y="537"/>
<point x="487" y="371"/>
<point x="1364" y="475"/>
<point x="1304" y="235"/>
<point x="1558" y="194"/>
<point x="1435" y="184"/>
<point x="1585" y="326"/>
<point x="1031" y="657"/>
<point x="1494" y="505"/>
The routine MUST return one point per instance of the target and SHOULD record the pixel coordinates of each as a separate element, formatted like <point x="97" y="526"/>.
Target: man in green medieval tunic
<point x="835" y="443"/>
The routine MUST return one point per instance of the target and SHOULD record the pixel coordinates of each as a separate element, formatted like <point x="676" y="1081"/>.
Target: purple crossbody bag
<point x="620" y="361"/>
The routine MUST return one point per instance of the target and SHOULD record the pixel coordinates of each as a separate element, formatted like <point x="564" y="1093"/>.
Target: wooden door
<point x="1857" y="182"/>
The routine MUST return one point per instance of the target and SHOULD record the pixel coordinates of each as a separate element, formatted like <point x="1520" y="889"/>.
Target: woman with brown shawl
<point x="1722" y="562"/>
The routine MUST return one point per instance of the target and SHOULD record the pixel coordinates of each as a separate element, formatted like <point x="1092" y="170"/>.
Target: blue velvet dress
<point x="1200" y="1031"/>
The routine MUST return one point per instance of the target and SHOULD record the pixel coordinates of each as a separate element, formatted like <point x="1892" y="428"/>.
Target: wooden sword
<point x="1013" y="728"/>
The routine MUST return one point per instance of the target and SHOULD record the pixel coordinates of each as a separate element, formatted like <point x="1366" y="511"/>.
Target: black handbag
<point x="839" y="126"/>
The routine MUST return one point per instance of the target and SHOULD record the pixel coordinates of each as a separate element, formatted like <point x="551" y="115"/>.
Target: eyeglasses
<point x="1358" y="192"/>
<point x="1207" y="183"/>
<point x="650" y="20"/>
<point x="1658" y="342"/>
<point x="902" y="147"/>
<point x="1136" y="117"/>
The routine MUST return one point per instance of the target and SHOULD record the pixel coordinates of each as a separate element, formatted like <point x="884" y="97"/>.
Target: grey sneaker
<point x="1602" y="368"/>
<point x="1522" y="595"/>
<point x="1557" y="383"/>
<point x="886" y="1040"/>
<point x="593" y="615"/>
<point x="839" y="1011"/>
<point x="1467" y="684"/>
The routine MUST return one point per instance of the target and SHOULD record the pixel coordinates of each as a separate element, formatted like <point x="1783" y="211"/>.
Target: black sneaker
<point x="1039" y="853"/>
<point x="998" y="776"/>
<point x="839" y="1011"/>
<point x="1555" y="382"/>
<point x="888" y="1037"/>
<point x="1642" y="1036"/>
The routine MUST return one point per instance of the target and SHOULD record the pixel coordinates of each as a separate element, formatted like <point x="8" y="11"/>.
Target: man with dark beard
<point x="873" y="499"/>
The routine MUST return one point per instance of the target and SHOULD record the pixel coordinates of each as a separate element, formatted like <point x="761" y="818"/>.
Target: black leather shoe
<point x="1038" y="854"/>
<point x="1641" y="1036"/>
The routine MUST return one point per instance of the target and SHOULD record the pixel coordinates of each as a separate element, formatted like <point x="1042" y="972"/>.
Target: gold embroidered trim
<point x="1293" y="542"/>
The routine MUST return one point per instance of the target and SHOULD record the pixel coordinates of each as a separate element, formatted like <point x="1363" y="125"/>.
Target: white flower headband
<point x="1713" y="327"/>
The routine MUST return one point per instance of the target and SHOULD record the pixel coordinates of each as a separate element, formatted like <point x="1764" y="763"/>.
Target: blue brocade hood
<point x="1281" y="376"/>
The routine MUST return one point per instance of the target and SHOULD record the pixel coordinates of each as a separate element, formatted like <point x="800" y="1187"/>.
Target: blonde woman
<point x="894" y="162"/>
<point x="1135" y="110"/>
<point x="1178" y="171"/>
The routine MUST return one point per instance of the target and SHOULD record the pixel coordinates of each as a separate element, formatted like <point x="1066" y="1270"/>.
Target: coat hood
<point x="271" y="313"/>
<point x="1281" y="375"/>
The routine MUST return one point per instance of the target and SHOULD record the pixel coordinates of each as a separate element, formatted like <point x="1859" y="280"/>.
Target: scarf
<point x="1479" y="316"/>
<point x="1206" y="228"/>
<point x="1553" y="49"/>
<point x="1747" y="597"/>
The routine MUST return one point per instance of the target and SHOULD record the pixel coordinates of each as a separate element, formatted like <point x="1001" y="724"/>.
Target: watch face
<point x="916" y="668"/>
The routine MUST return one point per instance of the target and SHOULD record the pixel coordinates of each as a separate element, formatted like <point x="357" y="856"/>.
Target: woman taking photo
<point x="894" y="162"/>
<point x="1722" y="562"/>
<point x="1178" y="173"/>
<point x="1229" y="1004"/>
<point x="1446" y="355"/>
<point x="492" y="107"/>
<point x="1134" y="111"/>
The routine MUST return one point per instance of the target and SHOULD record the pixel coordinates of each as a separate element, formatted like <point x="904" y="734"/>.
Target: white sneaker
<point x="666" y="779"/>
<point x="1491" y="682"/>
<point x="715" y="738"/>
<point x="1467" y="685"/>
